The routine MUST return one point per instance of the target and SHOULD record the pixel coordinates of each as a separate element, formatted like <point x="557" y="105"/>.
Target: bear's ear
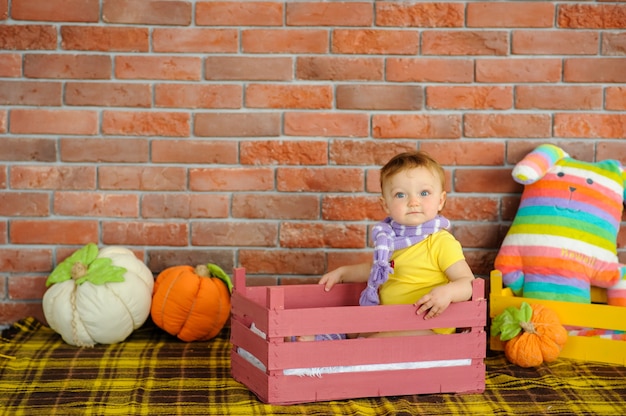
<point x="537" y="163"/>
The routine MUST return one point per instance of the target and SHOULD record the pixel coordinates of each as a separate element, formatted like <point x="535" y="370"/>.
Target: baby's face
<point x="413" y="196"/>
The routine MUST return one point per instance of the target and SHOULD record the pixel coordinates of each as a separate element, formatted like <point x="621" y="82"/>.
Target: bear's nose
<point x="572" y="188"/>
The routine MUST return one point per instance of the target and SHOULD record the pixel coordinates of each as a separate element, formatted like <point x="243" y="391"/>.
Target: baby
<point x="416" y="260"/>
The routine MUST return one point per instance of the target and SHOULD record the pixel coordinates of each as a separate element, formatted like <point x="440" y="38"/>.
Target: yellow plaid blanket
<point x="153" y="373"/>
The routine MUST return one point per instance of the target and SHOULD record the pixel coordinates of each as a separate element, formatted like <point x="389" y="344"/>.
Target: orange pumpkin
<point x="191" y="303"/>
<point x="541" y="337"/>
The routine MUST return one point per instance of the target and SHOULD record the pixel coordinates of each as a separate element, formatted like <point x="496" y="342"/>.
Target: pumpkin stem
<point x="528" y="327"/>
<point x="202" y="270"/>
<point x="78" y="270"/>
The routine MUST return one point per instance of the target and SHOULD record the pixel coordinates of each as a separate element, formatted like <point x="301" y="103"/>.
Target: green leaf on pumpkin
<point x="99" y="270"/>
<point x="507" y="324"/>
<point x="63" y="271"/>
<point x="216" y="271"/>
<point x="102" y="271"/>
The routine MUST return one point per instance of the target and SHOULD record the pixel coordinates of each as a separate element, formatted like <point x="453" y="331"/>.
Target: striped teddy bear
<point x="564" y="236"/>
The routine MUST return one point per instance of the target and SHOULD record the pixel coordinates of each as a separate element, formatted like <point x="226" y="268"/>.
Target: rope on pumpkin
<point x="78" y="271"/>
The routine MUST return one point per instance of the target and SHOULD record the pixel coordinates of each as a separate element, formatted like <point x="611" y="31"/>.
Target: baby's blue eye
<point x="400" y="195"/>
<point x="424" y="193"/>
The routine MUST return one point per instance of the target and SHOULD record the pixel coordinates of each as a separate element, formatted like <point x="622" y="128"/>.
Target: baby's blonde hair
<point x="410" y="160"/>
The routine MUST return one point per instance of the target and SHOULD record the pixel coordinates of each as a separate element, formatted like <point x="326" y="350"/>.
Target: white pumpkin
<point x="98" y="296"/>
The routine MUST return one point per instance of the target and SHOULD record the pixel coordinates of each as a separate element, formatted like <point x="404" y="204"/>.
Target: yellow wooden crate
<point x="594" y="315"/>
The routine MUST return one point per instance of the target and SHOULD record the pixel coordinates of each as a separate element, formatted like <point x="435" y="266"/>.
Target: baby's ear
<point x="537" y="163"/>
<point x="383" y="204"/>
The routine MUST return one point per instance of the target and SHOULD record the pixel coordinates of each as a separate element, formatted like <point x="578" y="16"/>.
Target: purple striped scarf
<point x="388" y="237"/>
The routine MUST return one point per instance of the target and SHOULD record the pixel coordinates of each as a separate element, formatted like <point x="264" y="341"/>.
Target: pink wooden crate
<point x="283" y="311"/>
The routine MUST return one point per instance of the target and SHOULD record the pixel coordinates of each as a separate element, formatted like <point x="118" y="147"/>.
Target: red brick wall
<point x="251" y="133"/>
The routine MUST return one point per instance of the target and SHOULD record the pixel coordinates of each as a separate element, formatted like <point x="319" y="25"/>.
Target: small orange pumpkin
<point x="540" y="339"/>
<point x="191" y="303"/>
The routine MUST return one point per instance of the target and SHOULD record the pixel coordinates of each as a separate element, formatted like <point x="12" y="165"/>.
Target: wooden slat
<point x="570" y="313"/>
<point x="247" y="374"/>
<point x="294" y="389"/>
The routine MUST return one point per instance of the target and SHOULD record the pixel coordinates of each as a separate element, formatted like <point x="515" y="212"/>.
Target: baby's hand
<point x="330" y="279"/>
<point x="434" y="302"/>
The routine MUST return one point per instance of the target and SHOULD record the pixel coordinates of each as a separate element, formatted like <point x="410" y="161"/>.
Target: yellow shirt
<point x="420" y="268"/>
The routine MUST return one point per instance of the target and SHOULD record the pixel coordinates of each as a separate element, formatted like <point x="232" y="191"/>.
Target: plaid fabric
<point x="153" y="373"/>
